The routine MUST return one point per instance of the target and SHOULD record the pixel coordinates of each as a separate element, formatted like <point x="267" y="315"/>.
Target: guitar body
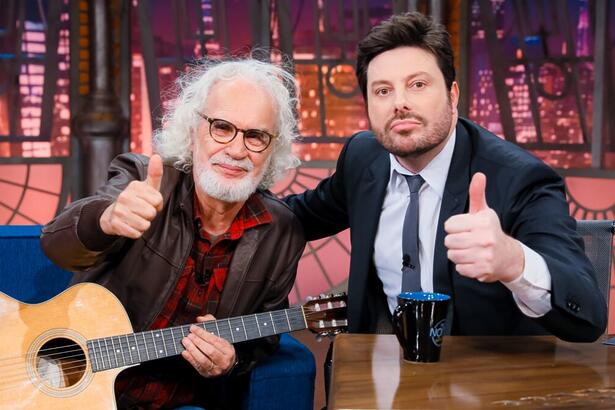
<point x="44" y="362"/>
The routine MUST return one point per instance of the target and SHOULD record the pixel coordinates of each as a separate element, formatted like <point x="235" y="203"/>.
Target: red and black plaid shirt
<point x="197" y="293"/>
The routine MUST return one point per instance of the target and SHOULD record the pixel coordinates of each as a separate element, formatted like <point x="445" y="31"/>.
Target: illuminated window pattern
<point x="545" y="55"/>
<point x="31" y="81"/>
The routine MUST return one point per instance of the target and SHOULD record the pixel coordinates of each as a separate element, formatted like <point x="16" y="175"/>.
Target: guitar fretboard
<point x="128" y="349"/>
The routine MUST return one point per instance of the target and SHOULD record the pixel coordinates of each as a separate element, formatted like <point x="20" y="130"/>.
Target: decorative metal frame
<point x="9" y="28"/>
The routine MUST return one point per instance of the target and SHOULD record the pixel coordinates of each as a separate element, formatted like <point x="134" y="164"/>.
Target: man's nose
<point x="401" y="103"/>
<point x="236" y="148"/>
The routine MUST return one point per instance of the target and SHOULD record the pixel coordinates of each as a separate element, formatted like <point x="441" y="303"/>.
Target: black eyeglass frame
<point x="237" y="129"/>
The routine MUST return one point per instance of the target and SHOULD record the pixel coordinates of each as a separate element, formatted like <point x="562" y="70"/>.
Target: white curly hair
<point x="174" y="141"/>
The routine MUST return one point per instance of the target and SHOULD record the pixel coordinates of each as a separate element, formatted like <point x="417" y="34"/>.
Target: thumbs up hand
<point x="478" y="201"/>
<point x="137" y="205"/>
<point x="154" y="172"/>
<point x="476" y="243"/>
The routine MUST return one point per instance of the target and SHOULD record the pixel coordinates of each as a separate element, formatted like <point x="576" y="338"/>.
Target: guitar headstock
<point x="326" y="314"/>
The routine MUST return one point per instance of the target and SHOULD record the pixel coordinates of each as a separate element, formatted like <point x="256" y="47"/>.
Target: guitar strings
<point x="123" y="342"/>
<point x="64" y="370"/>
<point x="64" y="353"/>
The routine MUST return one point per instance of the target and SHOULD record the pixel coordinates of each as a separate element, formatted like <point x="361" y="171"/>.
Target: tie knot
<point x="414" y="182"/>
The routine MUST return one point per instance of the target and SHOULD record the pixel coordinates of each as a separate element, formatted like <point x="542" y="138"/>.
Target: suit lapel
<point x="453" y="202"/>
<point x="371" y="193"/>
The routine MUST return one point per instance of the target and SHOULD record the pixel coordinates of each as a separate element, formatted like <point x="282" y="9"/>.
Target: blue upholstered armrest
<point x="284" y="381"/>
<point x="25" y="272"/>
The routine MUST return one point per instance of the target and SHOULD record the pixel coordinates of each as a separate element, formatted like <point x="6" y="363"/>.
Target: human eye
<point x="257" y="138"/>
<point x="382" y="91"/>
<point x="418" y="85"/>
<point x="222" y="127"/>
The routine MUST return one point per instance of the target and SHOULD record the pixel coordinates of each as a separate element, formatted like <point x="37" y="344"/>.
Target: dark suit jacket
<point x="527" y="195"/>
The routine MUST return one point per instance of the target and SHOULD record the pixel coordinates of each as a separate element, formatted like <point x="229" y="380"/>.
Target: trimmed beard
<point x="431" y="137"/>
<point x="225" y="189"/>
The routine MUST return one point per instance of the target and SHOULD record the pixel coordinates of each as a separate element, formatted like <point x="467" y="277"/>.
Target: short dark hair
<point x="409" y="29"/>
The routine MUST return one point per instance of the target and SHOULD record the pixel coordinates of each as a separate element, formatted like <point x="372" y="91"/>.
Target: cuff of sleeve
<point x="532" y="290"/>
<point x="88" y="228"/>
<point x="535" y="272"/>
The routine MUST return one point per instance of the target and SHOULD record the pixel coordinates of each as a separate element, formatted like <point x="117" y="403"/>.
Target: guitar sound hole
<point x="60" y="363"/>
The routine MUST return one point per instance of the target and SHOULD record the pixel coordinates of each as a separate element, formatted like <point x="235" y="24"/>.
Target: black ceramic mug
<point x="419" y="322"/>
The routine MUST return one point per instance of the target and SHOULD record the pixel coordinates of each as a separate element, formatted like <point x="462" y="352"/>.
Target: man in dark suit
<point x="492" y="227"/>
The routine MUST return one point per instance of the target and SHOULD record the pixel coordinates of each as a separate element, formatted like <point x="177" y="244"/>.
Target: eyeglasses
<point x="224" y="132"/>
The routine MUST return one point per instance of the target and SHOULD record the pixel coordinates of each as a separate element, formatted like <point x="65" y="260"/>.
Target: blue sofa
<point x="284" y="381"/>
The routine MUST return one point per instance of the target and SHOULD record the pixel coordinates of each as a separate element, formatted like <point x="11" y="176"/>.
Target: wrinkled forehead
<point x="245" y="103"/>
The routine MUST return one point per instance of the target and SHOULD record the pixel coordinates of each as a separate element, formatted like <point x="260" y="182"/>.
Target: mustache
<point x="224" y="159"/>
<point x="404" y="116"/>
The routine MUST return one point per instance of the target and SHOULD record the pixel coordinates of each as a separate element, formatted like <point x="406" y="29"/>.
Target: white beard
<point x="228" y="190"/>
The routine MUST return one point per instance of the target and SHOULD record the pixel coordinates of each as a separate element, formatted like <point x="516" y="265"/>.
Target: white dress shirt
<point x="531" y="291"/>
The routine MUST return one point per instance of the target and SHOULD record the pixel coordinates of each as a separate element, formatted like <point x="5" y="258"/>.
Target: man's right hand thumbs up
<point x="476" y="243"/>
<point x="477" y="197"/>
<point x="137" y="205"/>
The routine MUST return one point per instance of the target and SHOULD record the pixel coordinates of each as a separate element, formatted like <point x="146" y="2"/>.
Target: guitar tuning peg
<point x="309" y="298"/>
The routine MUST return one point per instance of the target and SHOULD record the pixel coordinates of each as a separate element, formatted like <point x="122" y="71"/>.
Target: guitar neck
<point x="128" y="349"/>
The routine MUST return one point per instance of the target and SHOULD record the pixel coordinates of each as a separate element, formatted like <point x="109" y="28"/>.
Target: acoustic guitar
<point x="66" y="353"/>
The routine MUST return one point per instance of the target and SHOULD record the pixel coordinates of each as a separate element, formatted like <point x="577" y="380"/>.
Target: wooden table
<point x="474" y="372"/>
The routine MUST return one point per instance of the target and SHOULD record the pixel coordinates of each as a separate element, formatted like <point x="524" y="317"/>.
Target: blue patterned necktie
<point x="411" y="268"/>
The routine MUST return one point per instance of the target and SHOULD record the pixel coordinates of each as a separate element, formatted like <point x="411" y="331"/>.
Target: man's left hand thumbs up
<point x="476" y="243"/>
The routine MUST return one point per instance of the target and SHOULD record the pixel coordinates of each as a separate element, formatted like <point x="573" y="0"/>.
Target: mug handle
<point x="396" y="323"/>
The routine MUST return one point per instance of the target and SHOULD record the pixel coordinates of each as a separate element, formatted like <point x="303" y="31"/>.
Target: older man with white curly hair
<point x="192" y="232"/>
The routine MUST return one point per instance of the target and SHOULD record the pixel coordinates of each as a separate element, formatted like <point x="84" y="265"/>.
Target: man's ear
<point x="454" y="94"/>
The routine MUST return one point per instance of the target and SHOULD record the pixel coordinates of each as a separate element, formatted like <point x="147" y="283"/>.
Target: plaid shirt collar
<point x="253" y="213"/>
